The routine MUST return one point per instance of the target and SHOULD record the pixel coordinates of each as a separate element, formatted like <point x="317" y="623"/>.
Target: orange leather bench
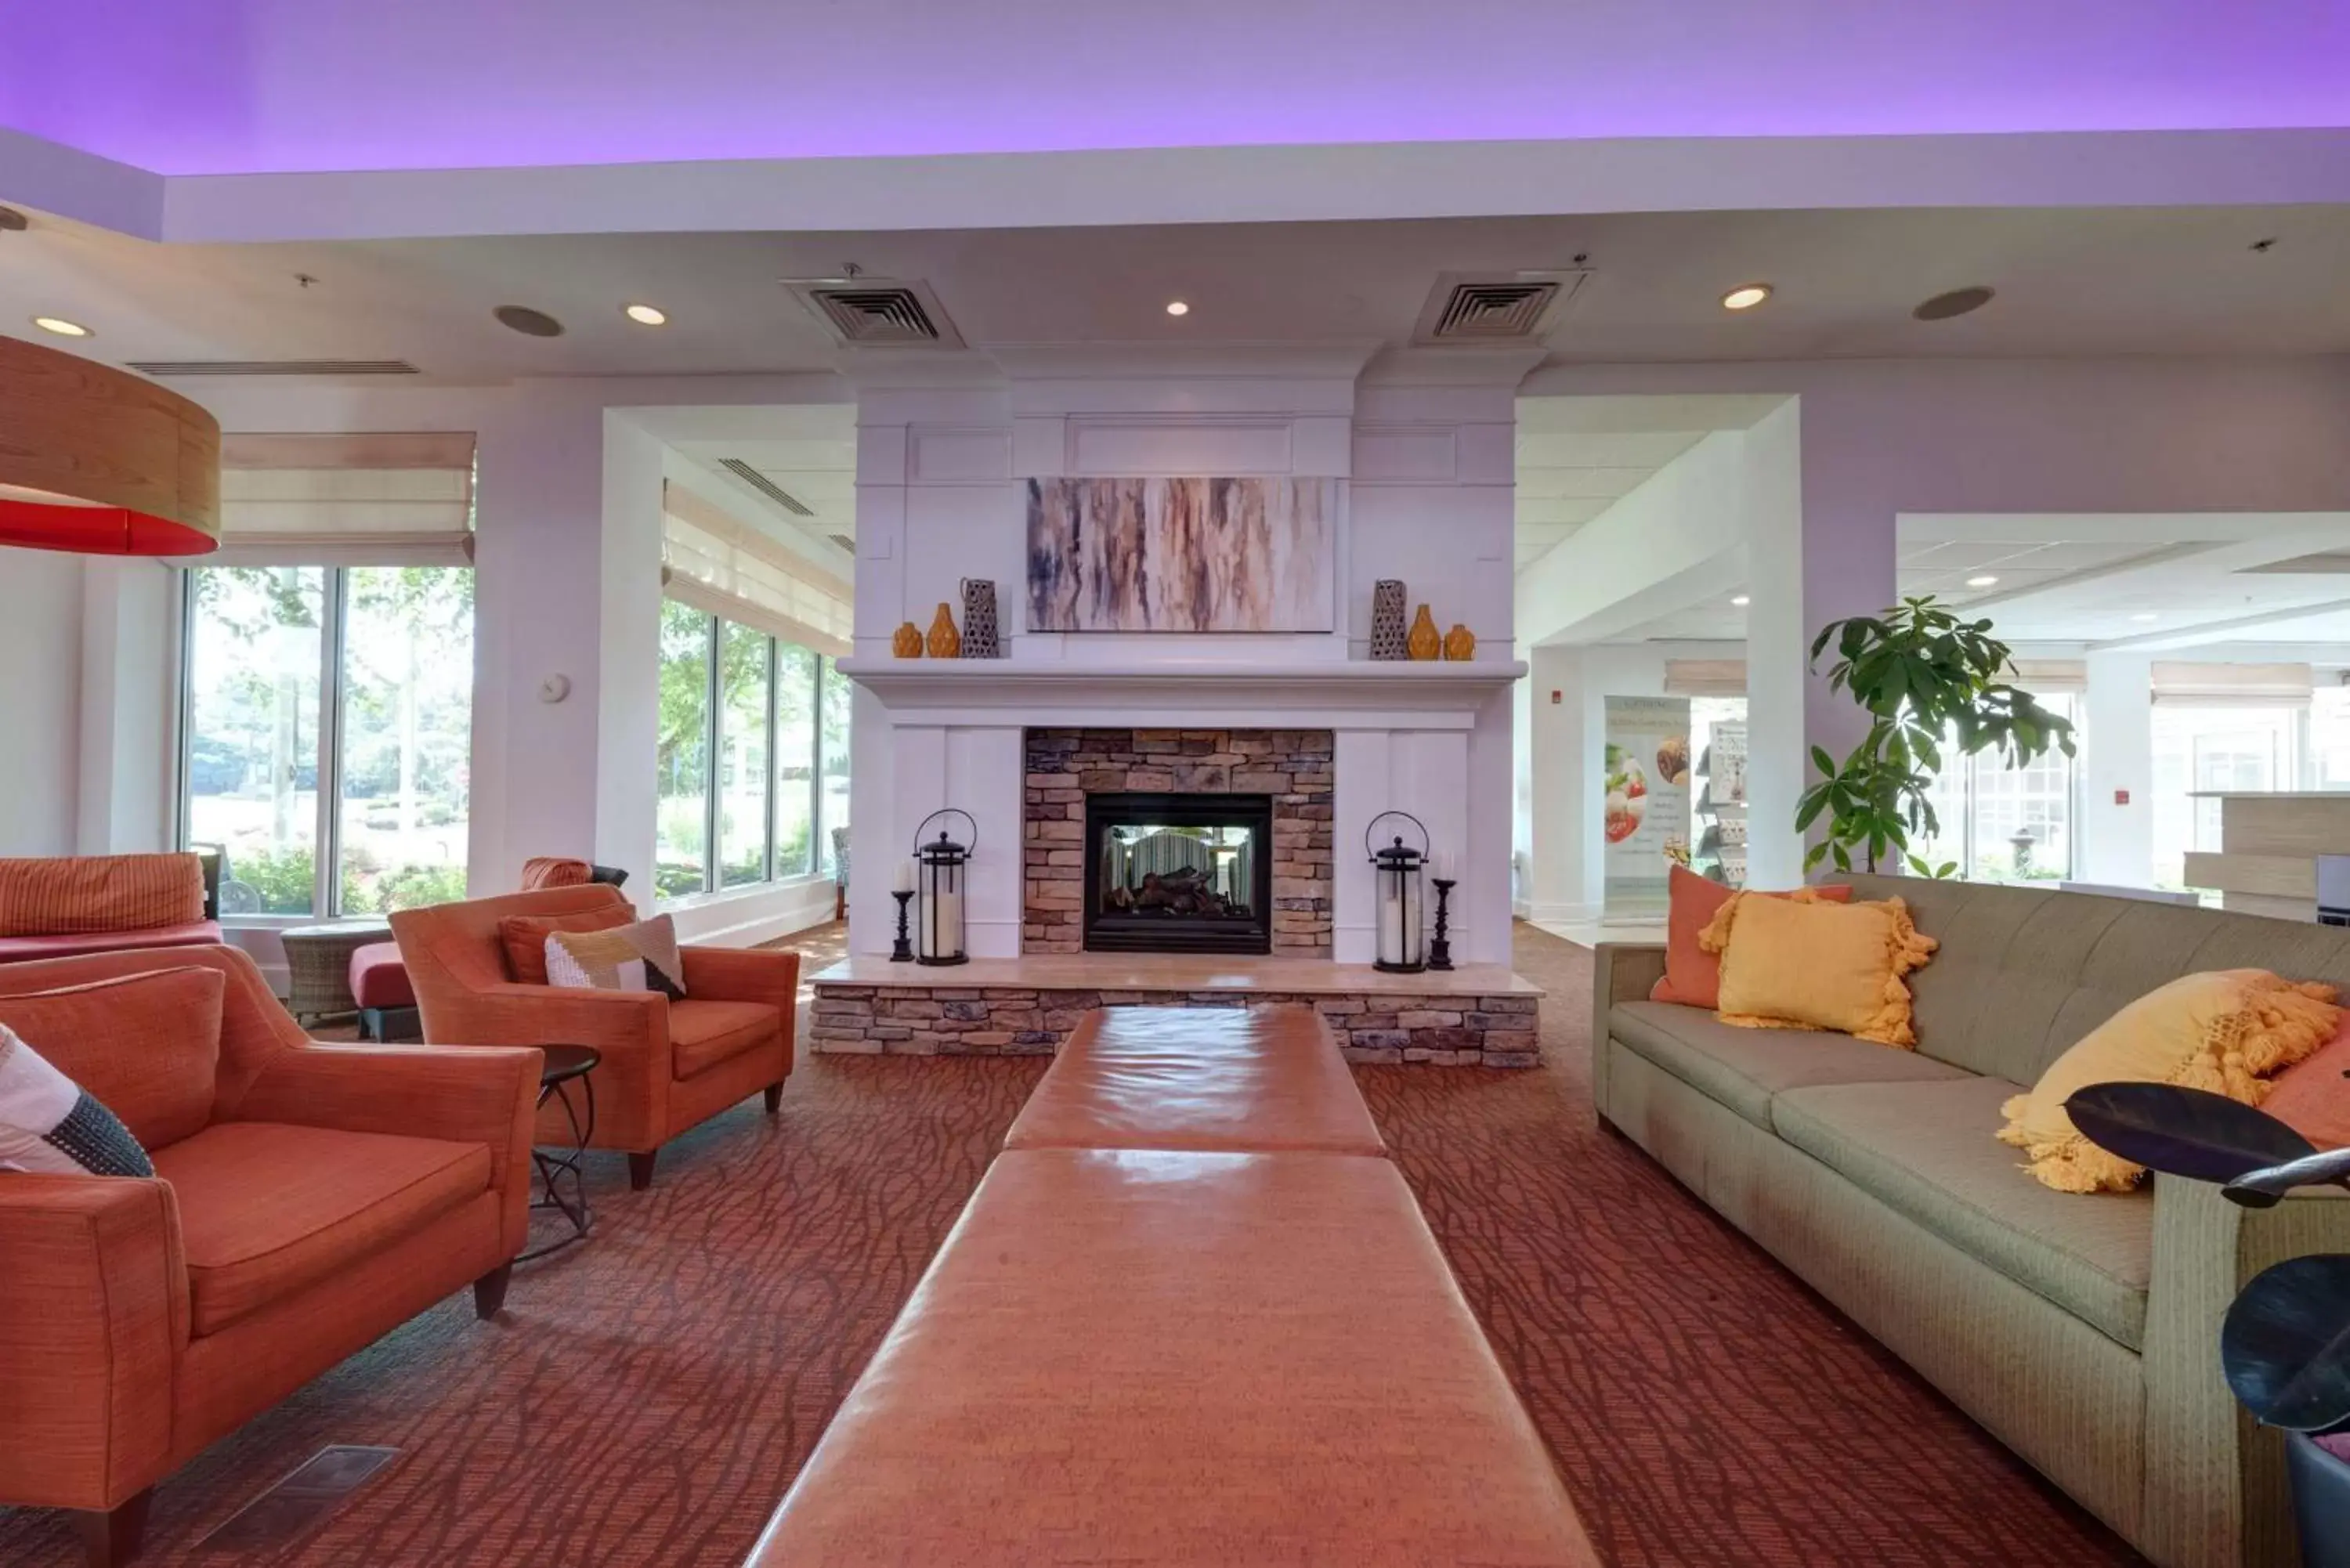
<point x="1156" y="1357"/>
<point x="1264" y="1079"/>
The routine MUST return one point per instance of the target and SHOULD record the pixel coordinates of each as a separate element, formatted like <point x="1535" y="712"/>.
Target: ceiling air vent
<point x="875" y="313"/>
<point x="1496" y="307"/>
<point x="766" y="487"/>
<point x="849" y="544"/>
<point x="274" y="366"/>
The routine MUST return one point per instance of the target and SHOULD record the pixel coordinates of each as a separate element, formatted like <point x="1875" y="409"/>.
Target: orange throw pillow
<point x="2312" y="1095"/>
<point x="1795" y="964"/>
<point x="1692" y="975"/>
<point x="524" y="936"/>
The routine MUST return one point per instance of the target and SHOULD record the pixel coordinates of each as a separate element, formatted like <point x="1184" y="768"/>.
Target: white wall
<point x="40" y="700"/>
<point x="2115" y="842"/>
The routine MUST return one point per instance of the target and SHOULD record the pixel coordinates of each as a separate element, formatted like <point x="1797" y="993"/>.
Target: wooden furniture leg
<point x="111" y="1537"/>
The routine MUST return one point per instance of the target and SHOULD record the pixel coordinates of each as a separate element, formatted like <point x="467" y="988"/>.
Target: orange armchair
<point x="667" y="1065"/>
<point x="316" y="1198"/>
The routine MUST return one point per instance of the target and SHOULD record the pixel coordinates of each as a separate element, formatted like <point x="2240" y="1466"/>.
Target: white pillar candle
<point x="905" y="876"/>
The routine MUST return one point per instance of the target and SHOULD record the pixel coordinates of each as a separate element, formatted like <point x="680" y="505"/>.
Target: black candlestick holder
<point x="904" y="952"/>
<point x="1439" y="946"/>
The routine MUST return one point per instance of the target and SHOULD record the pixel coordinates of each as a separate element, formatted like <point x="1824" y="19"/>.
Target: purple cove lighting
<point x="194" y="87"/>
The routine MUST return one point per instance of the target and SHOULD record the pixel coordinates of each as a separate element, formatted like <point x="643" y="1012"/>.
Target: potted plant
<point x="1923" y="676"/>
<point x="2285" y="1341"/>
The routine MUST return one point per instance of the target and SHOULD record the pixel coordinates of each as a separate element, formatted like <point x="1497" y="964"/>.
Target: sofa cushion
<point x="147" y="1045"/>
<point x="1927" y="1152"/>
<point x="267" y="1210"/>
<point x="1744" y="1068"/>
<point x="1261" y="1078"/>
<point x="45" y="897"/>
<point x="703" y="1034"/>
<point x="379" y="977"/>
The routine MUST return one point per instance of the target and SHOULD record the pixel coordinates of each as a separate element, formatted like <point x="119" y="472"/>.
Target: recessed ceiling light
<point x="1958" y="302"/>
<point x="2146" y="615"/>
<point x="1739" y="601"/>
<point x="1984" y="581"/>
<point x="530" y="323"/>
<point x="1177" y="307"/>
<point x="646" y="315"/>
<point x="61" y="327"/>
<point x="1746" y="297"/>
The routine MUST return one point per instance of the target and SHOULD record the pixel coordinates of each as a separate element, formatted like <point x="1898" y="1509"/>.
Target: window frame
<point x="1968" y="802"/>
<point x="326" y="856"/>
<point x="712" y="748"/>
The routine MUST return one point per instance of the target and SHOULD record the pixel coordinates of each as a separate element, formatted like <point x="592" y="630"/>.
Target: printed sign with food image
<point x="1673" y="760"/>
<point x="1628" y="794"/>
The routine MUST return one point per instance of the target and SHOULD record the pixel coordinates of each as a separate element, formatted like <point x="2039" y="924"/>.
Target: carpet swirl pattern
<point x="646" y="1399"/>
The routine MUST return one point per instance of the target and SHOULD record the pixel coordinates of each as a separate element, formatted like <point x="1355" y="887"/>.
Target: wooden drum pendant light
<point x="97" y="461"/>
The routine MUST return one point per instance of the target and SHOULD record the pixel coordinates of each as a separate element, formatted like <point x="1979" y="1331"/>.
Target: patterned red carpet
<point x="647" y="1396"/>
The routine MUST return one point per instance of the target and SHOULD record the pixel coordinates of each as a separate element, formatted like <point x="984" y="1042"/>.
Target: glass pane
<point x="2200" y="748"/>
<point x="796" y="720"/>
<point x="837" y="704"/>
<point x="2023" y="816"/>
<point x="680" y="853"/>
<point x="253" y="731"/>
<point x="408" y="725"/>
<point x="742" y="776"/>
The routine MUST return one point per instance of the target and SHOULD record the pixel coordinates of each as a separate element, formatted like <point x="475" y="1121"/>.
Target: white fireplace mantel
<point x="1357" y="694"/>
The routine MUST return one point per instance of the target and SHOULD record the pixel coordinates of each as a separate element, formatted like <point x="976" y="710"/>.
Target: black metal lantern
<point x="1400" y="942"/>
<point x="939" y="912"/>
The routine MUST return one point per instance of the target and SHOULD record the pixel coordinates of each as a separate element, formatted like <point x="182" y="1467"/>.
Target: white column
<point x="2115" y="840"/>
<point x="1556" y="885"/>
<point x="1822" y="531"/>
<point x="130" y="707"/>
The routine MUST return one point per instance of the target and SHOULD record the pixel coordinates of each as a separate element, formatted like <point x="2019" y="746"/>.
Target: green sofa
<point x="2081" y="1331"/>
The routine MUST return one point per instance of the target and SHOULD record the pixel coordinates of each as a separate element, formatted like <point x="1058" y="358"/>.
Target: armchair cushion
<point x="146" y="1045"/>
<point x="49" y="1123"/>
<point x="703" y="1034"/>
<point x="267" y="1209"/>
<point x="525" y="936"/>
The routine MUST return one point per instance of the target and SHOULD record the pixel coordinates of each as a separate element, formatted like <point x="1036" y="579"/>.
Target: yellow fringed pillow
<point x="2224" y="1031"/>
<point x="1789" y="965"/>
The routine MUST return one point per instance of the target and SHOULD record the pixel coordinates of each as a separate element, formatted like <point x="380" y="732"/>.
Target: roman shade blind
<point x="1705" y="677"/>
<point x="384" y="499"/>
<point x="2232" y="685"/>
<point x="723" y="567"/>
<point x="2048" y="677"/>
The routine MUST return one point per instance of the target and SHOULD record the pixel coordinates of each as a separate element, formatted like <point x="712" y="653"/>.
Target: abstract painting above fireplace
<point x="1181" y="555"/>
<point x="1179" y="873"/>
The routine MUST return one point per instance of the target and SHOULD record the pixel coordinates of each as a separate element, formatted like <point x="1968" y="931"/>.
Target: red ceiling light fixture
<point x="96" y="461"/>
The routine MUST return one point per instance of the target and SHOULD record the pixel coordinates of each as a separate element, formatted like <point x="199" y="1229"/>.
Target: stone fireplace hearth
<point x="1291" y="769"/>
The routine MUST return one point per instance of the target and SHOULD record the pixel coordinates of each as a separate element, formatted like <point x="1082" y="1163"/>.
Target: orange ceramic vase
<point x="946" y="642"/>
<point x="1424" y="642"/>
<point x="907" y="643"/>
<point x="1460" y="644"/>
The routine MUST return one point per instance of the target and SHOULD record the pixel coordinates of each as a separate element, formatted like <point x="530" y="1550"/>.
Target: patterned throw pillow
<point x="49" y="1124"/>
<point x="642" y="957"/>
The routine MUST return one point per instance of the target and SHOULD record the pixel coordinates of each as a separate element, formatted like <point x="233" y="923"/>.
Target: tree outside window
<point x="272" y="651"/>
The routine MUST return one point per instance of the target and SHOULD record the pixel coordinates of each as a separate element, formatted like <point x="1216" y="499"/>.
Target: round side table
<point x="566" y="1065"/>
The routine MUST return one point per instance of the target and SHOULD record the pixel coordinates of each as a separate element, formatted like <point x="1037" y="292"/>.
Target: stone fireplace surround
<point x="1063" y="765"/>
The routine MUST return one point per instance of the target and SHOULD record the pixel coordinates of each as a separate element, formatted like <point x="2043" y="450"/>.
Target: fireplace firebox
<point x="1179" y="873"/>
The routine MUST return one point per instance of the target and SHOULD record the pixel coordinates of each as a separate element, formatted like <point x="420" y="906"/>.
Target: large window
<point x="753" y="755"/>
<point x="2002" y="824"/>
<point x="327" y="728"/>
<point x="2219" y="747"/>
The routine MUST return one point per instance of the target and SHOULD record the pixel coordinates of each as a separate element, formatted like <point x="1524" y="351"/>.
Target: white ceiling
<point x="1567" y="478"/>
<point x="2152" y="582"/>
<point x="817" y="468"/>
<point x="2107" y="281"/>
